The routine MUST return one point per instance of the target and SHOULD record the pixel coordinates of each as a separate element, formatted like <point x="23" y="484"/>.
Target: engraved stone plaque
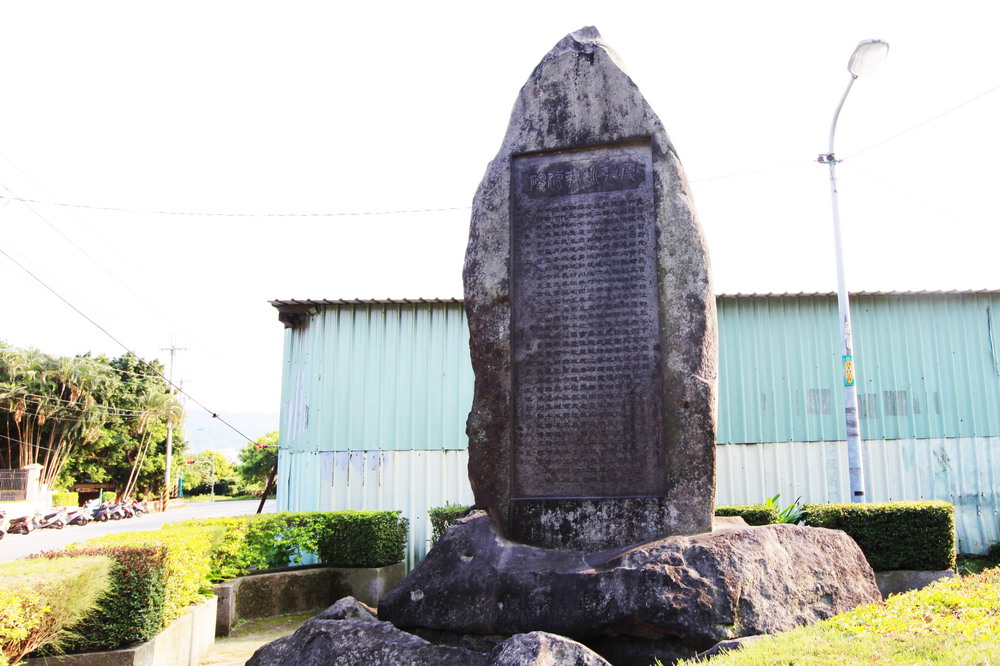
<point x="585" y="324"/>
<point x="591" y="318"/>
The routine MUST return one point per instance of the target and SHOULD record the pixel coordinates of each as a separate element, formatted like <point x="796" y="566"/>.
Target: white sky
<point x="298" y="107"/>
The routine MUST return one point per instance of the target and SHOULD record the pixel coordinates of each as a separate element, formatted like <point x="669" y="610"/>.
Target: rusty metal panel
<point x="962" y="471"/>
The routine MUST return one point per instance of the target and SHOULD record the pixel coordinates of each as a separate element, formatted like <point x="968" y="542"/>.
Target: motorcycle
<point x="22" y="525"/>
<point x="102" y="513"/>
<point x="79" y="516"/>
<point x="138" y="507"/>
<point x="55" y="520"/>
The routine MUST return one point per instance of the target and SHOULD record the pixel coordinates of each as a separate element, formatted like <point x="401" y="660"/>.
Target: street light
<point x="867" y="56"/>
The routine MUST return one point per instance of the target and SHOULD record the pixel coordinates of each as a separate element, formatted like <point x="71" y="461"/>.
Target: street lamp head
<point x="867" y="56"/>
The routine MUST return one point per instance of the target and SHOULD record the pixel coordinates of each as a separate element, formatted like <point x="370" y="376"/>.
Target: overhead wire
<point x="99" y="264"/>
<point x="921" y="124"/>
<point x="103" y="330"/>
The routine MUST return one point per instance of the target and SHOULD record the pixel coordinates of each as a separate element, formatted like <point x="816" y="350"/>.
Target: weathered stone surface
<point x="542" y="649"/>
<point x="699" y="589"/>
<point x="347" y="634"/>
<point x="592" y="318"/>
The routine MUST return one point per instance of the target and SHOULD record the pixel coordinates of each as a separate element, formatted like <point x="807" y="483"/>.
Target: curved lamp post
<point x="867" y="56"/>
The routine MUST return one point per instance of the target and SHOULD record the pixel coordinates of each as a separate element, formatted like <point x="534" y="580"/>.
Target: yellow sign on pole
<point x="848" y="371"/>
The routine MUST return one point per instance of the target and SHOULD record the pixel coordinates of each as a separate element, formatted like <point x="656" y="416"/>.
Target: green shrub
<point x="65" y="499"/>
<point x="894" y="535"/>
<point x="41" y="597"/>
<point x="188" y="562"/>
<point x="443" y="517"/>
<point x="337" y="538"/>
<point x="363" y="539"/>
<point x="108" y="496"/>
<point x="754" y="514"/>
<point x="132" y="611"/>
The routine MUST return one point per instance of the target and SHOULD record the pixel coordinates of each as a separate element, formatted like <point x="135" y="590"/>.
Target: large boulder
<point x="347" y="634"/>
<point x="695" y="591"/>
<point x="541" y="649"/>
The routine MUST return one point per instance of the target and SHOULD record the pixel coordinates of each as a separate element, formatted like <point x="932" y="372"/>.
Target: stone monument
<point x="592" y="431"/>
<point x="591" y="317"/>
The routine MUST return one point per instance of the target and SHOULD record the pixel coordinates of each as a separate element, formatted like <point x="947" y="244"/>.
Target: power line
<point x="123" y="346"/>
<point x="918" y="125"/>
<point x="136" y="211"/>
<point x="99" y="264"/>
<point x="43" y="399"/>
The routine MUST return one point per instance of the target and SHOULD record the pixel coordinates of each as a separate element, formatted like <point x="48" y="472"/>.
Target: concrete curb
<point x="299" y="590"/>
<point x="903" y="580"/>
<point x="185" y="642"/>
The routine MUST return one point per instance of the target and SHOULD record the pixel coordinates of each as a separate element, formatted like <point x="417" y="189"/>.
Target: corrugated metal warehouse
<point x="375" y="395"/>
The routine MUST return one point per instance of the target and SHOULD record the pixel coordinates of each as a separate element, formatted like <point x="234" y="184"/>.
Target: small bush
<point x="109" y="496"/>
<point x="132" y="611"/>
<point x="443" y="517"/>
<point x="754" y="514"/>
<point x="41" y="597"/>
<point x="65" y="499"/>
<point x="363" y="539"/>
<point x="894" y="535"/>
<point x="188" y="562"/>
<point x="337" y="538"/>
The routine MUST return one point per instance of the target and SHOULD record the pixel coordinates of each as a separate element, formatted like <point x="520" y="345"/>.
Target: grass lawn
<point x="955" y="621"/>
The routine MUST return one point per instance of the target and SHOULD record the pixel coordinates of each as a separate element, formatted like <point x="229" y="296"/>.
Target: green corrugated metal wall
<point x="926" y="367"/>
<point x="377" y="376"/>
<point x="390" y="376"/>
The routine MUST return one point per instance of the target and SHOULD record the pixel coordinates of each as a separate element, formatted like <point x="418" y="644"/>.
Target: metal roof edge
<point x="302" y="305"/>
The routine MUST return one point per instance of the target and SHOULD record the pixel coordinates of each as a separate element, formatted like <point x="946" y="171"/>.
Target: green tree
<point x="51" y="408"/>
<point x="257" y="460"/>
<point x="198" y="476"/>
<point x="131" y="451"/>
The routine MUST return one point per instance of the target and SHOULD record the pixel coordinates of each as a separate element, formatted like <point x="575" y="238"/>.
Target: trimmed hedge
<point x="894" y="535"/>
<point x="187" y="559"/>
<point x="754" y="514"/>
<point x="363" y="539"/>
<point x="133" y="609"/>
<point x="65" y="499"/>
<point x="41" y="597"/>
<point x="443" y="517"/>
<point x="336" y="538"/>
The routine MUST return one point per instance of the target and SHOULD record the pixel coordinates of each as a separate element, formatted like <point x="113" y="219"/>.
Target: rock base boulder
<point x="679" y="593"/>
<point x="348" y="633"/>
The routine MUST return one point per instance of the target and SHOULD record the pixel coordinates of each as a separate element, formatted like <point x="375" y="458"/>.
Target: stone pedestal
<point x="672" y="597"/>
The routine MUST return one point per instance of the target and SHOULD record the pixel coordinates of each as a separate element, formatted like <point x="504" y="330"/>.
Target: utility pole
<point x="170" y="425"/>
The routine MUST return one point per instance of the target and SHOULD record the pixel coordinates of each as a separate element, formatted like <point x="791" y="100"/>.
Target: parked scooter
<point x="55" y="520"/>
<point x="3" y="523"/>
<point x="22" y="525"/>
<point x="78" y="516"/>
<point x="102" y="513"/>
<point x="138" y="507"/>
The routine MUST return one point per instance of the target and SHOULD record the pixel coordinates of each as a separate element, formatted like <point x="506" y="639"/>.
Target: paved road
<point x="14" y="546"/>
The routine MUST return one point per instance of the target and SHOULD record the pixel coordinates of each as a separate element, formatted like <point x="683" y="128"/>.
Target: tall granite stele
<point x="592" y="318"/>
